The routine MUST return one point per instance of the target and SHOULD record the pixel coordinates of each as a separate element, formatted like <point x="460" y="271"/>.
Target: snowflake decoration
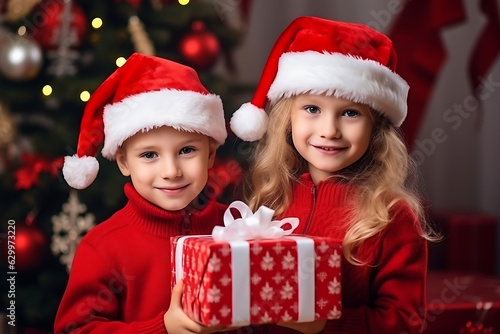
<point x="214" y="264"/>
<point x="286" y="317"/>
<point x="267" y="292"/>
<point x="214" y="295"/>
<point x="334" y="287"/>
<point x="286" y="291"/>
<point x="334" y="314"/>
<point x="69" y="227"/>
<point x="288" y="262"/>
<point x="323" y="247"/>
<point x="334" y="260"/>
<point x="267" y="262"/>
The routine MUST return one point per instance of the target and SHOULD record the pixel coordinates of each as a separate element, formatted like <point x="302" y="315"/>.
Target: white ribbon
<point x="258" y="225"/>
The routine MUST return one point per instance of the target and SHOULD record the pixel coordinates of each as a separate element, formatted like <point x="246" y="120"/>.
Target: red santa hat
<point x="320" y="56"/>
<point x="145" y="93"/>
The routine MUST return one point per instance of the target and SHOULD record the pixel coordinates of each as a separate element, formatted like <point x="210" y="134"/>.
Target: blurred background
<point x="55" y="53"/>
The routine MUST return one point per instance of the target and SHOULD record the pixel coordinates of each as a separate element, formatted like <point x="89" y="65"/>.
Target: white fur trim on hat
<point x="182" y="110"/>
<point x="249" y="122"/>
<point x="356" y="79"/>
<point x="80" y="172"/>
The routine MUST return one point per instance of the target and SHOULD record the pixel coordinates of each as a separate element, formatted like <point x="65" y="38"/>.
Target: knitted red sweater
<point x="387" y="296"/>
<point x="120" y="277"/>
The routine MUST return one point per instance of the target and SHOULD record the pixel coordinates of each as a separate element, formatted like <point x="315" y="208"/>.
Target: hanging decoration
<point x="65" y="30"/>
<point x="31" y="245"/>
<point x="7" y="129"/>
<point x="63" y="22"/>
<point x="199" y="48"/>
<point x="28" y="175"/>
<point x="69" y="227"/>
<point x="17" y="9"/>
<point x="20" y="58"/>
<point x="142" y="43"/>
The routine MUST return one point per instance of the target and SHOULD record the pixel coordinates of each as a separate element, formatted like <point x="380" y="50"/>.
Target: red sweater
<point x="120" y="277"/>
<point x="387" y="296"/>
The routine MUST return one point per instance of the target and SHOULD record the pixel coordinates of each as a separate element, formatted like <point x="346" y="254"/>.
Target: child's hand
<point x="305" y="327"/>
<point x="176" y="321"/>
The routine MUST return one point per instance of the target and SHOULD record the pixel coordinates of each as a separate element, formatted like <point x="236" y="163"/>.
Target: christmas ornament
<point x="28" y="175"/>
<point x="478" y="327"/>
<point x="70" y="33"/>
<point x="17" y="9"/>
<point x="20" y="58"/>
<point x="56" y="15"/>
<point x="140" y="39"/>
<point x="199" y="48"/>
<point x="7" y="129"/>
<point x="30" y="245"/>
<point x="69" y="227"/>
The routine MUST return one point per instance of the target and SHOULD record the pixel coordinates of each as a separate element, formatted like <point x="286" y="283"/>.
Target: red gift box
<point x="237" y="283"/>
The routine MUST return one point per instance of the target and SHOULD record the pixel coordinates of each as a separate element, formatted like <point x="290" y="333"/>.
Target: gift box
<point x="241" y="282"/>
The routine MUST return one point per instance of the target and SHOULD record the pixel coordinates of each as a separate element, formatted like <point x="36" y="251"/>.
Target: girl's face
<point x="329" y="132"/>
<point x="169" y="168"/>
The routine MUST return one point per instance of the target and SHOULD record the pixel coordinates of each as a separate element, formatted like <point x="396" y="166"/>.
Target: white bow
<point x="256" y="225"/>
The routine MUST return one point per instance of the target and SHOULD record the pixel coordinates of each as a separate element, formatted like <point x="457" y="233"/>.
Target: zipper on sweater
<point x="186" y="224"/>
<point x="313" y="207"/>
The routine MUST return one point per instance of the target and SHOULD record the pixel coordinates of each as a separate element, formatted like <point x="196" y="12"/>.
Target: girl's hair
<point x="384" y="176"/>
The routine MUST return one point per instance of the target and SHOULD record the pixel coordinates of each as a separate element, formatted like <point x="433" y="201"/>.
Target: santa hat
<point x="319" y="56"/>
<point x="145" y="93"/>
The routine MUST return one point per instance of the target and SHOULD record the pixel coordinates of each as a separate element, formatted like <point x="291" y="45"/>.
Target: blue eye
<point x="350" y="113"/>
<point x="187" y="150"/>
<point x="312" y="109"/>
<point x="149" y="155"/>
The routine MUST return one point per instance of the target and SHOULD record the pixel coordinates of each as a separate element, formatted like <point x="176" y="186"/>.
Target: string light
<point x="97" y="23"/>
<point x="183" y="2"/>
<point x="84" y="96"/>
<point x="47" y="90"/>
<point x="21" y="31"/>
<point x="120" y="61"/>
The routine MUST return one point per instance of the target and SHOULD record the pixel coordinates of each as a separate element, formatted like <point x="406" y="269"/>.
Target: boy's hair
<point x="383" y="177"/>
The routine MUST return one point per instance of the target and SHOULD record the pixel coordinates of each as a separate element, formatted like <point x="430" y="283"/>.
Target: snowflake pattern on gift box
<point x="322" y="303"/>
<point x="256" y="249"/>
<point x="334" y="287"/>
<point x="214" y="264"/>
<point x="225" y="311"/>
<point x="276" y="308"/>
<point x="225" y="280"/>
<point x="288" y="262"/>
<point x="266" y="318"/>
<point x="267" y="262"/>
<point x="334" y="313"/>
<point x="278" y="248"/>
<point x="287" y="291"/>
<point x="278" y="278"/>
<point x="267" y="292"/>
<point x="255" y="279"/>
<point x="334" y="260"/>
<point x="286" y="317"/>
<point x="213" y="295"/>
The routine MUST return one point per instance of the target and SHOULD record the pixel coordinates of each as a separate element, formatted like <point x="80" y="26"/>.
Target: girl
<point x="333" y="156"/>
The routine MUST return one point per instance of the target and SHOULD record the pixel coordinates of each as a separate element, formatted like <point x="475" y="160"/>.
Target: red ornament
<point x="476" y="328"/>
<point x="30" y="249"/>
<point x="200" y="48"/>
<point x="28" y="174"/>
<point x="47" y="22"/>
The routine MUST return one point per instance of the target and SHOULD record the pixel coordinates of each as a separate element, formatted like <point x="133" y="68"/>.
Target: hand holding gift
<point x="252" y="271"/>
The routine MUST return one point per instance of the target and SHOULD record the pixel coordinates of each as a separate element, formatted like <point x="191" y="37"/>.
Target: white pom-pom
<point x="249" y="122"/>
<point x="80" y="172"/>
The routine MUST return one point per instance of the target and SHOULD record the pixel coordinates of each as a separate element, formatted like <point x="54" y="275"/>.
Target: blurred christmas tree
<point x="53" y="55"/>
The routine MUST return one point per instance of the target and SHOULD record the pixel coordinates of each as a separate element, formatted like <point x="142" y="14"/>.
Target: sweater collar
<point x="152" y="219"/>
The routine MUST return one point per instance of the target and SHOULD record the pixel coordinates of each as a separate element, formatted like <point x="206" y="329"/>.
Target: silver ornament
<point x="20" y="58"/>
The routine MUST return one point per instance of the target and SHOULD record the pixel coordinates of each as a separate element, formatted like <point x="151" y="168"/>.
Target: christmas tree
<point x="53" y="55"/>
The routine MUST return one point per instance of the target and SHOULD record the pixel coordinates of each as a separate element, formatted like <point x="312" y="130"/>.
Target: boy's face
<point x="169" y="168"/>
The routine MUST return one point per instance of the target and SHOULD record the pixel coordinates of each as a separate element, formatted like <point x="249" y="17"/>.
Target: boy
<point x="163" y="128"/>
